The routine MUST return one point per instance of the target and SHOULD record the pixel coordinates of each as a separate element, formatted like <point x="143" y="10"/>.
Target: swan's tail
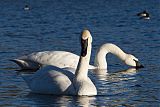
<point x="19" y="62"/>
<point x="24" y="65"/>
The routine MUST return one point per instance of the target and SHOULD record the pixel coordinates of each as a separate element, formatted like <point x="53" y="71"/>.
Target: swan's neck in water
<point x="83" y="64"/>
<point x="100" y="59"/>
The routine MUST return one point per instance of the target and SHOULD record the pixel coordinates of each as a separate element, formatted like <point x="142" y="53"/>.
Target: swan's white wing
<point x="51" y="80"/>
<point x="60" y="59"/>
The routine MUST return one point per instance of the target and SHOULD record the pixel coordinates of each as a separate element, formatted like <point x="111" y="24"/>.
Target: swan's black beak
<point x="138" y="64"/>
<point x="84" y="45"/>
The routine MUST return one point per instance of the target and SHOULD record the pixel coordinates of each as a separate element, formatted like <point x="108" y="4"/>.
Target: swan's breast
<point x="85" y="87"/>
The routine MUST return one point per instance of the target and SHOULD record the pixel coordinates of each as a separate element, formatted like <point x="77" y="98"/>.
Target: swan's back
<point x="61" y="59"/>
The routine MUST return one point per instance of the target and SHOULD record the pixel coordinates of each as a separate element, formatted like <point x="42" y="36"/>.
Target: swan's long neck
<point x="83" y="64"/>
<point x="100" y="59"/>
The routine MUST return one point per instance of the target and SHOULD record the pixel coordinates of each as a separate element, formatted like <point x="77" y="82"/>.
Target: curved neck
<point x="100" y="59"/>
<point x="83" y="64"/>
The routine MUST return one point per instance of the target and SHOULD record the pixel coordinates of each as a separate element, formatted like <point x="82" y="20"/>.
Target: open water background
<point x="56" y="25"/>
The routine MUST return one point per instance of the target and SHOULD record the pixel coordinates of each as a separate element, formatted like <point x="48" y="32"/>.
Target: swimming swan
<point x="65" y="59"/>
<point x="53" y="80"/>
<point x="61" y="59"/>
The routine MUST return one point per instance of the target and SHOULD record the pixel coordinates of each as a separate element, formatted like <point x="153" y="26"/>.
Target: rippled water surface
<point x="56" y="25"/>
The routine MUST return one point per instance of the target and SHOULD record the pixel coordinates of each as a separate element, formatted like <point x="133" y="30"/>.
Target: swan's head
<point x="86" y="41"/>
<point x="132" y="61"/>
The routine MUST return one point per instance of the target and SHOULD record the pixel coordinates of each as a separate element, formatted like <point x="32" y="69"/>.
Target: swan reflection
<point x="101" y="76"/>
<point x="85" y="101"/>
<point x="60" y="101"/>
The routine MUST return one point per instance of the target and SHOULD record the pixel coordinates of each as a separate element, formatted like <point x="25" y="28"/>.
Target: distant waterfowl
<point x="65" y="59"/>
<point x="54" y="80"/>
<point x="26" y="7"/>
<point x="144" y="15"/>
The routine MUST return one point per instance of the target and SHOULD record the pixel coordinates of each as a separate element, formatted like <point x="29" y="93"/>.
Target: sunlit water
<point x="56" y="25"/>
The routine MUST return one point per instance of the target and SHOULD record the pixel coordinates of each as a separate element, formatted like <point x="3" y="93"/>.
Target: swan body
<point x="51" y="80"/>
<point x="65" y="59"/>
<point x="54" y="80"/>
<point x="62" y="59"/>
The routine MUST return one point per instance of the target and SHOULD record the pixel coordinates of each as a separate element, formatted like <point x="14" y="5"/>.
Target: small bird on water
<point x="26" y="7"/>
<point x="144" y="15"/>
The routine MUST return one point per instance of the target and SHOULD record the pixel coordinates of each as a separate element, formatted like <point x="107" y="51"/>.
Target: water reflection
<point x="115" y="83"/>
<point x="49" y="100"/>
<point x="130" y="71"/>
<point x="60" y="101"/>
<point x="85" y="101"/>
<point x="106" y="76"/>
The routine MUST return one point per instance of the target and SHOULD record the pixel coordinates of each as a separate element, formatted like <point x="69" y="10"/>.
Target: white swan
<point x="54" y="80"/>
<point x="100" y="58"/>
<point x="65" y="59"/>
<point x="60" y="59"/>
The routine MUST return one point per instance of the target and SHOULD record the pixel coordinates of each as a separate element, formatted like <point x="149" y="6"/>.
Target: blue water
<point x="56" y="25"/>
